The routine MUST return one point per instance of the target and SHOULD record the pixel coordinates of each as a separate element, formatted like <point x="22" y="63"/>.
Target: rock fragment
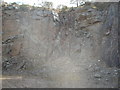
<point x="97" y="76"/>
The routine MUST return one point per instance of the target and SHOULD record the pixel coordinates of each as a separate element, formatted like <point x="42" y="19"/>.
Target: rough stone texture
<point x="65" y="53"/>
<point x="0" y="45"/>
<point x="109" y="36"/>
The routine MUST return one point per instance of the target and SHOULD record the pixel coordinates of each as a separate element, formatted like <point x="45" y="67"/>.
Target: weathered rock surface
<point x="62" y="53"/>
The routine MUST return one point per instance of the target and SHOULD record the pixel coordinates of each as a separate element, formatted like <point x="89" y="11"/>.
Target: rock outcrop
<point x="67" y="51"/>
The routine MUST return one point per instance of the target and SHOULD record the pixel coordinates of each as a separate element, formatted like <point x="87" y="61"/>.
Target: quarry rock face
<point x="59" y="49"/>
<point x="26" y="33"/>
<point x="109" y="37"/>
<point x="1" y="44"/>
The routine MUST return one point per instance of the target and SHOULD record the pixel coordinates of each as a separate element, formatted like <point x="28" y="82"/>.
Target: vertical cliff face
<point x="69" y="50"/>
<point x="27" y="33"/>
<point x="109" y="36"/>
<point x="103" y="27"/>
<point x="33" y="33"/>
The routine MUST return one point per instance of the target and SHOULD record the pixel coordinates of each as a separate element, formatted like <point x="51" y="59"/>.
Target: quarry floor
<point x="89" y="75"/>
